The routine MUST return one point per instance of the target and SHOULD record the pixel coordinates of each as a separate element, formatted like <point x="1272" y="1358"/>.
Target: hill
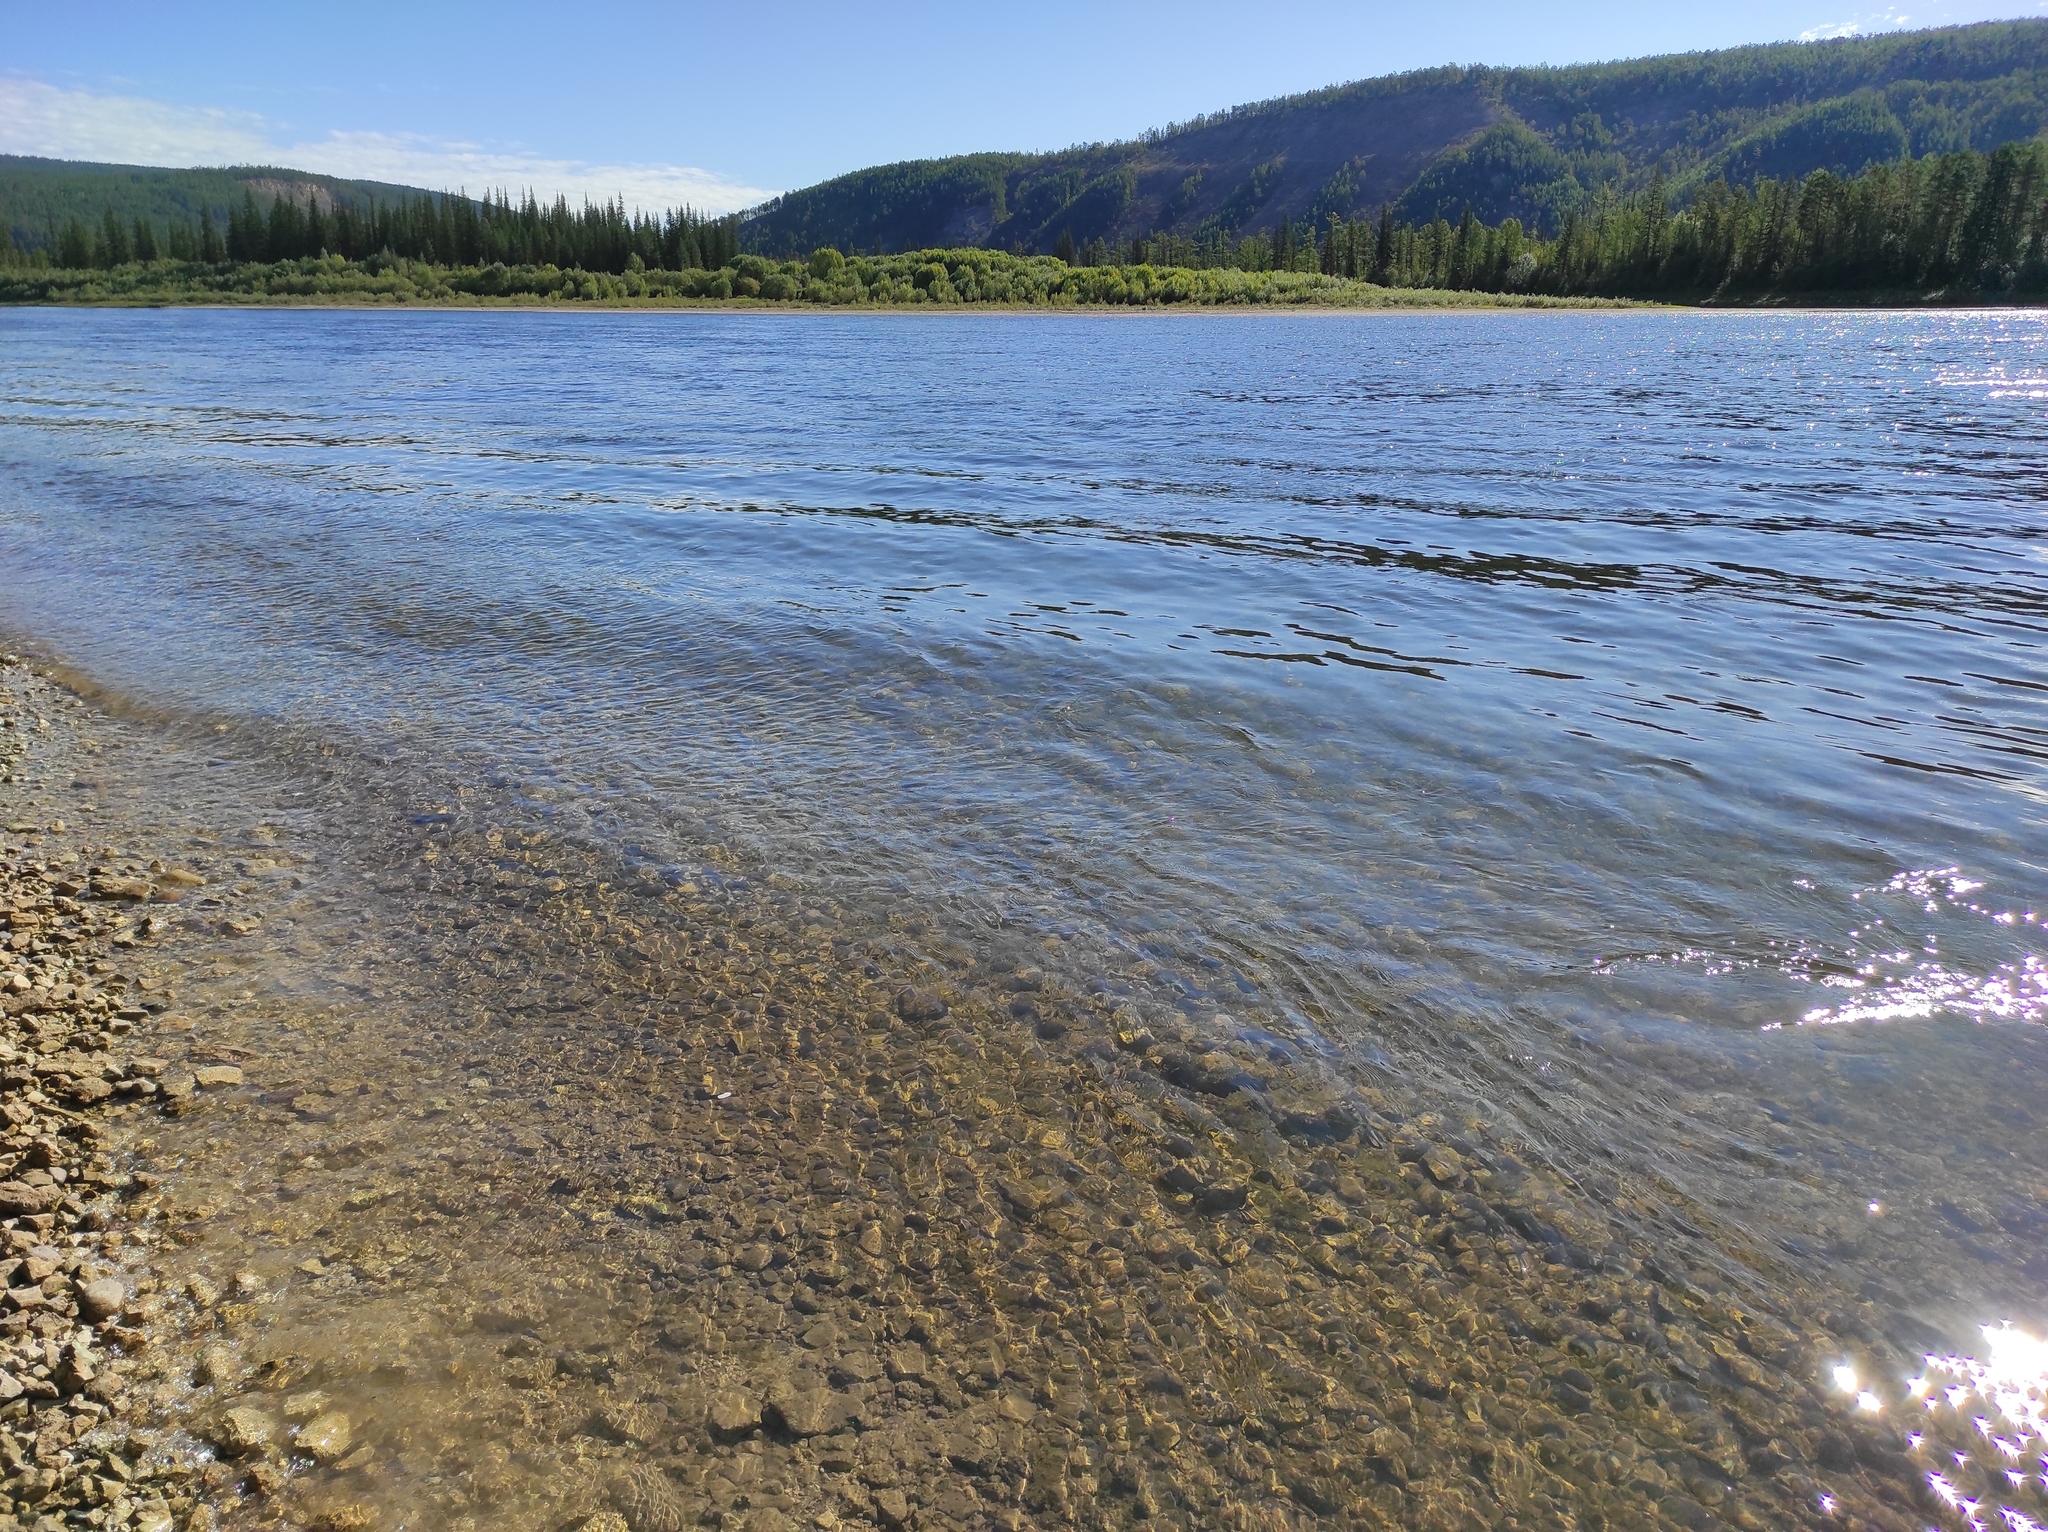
<point x="1533" y="144"/>
<point x="38" y="196"/>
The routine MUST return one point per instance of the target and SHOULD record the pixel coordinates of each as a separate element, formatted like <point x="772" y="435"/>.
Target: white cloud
<point x="77" y="125"/>
<point x="1880" y="21"/>
<point x="1932" y="13"/>
<point x="414" y="161"/>
<point x="47" y="120"/>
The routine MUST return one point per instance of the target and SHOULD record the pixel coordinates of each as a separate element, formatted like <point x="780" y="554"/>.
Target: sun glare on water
<point x="1977" y="1426"/>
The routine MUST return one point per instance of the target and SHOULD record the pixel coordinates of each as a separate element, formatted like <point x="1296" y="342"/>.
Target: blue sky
<point x="724" y="104"/>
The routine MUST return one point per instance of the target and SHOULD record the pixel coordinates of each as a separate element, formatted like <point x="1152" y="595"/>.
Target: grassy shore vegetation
<point x="930" y="277"/>
<point x="1964" y="225"/>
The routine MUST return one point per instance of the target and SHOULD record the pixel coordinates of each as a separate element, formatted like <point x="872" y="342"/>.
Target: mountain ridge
<point x="1527" y="142"/>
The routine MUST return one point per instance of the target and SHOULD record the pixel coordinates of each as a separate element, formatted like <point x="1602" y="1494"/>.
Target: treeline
<point x="447" y="231"/>
<point x="1963" y="221"/>
<point x="1962" y="224"/>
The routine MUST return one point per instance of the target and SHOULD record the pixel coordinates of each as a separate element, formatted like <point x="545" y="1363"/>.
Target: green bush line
<point x="934" y="278"/>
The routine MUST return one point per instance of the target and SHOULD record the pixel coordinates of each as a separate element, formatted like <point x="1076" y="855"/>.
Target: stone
<point x="915" y="1004"/>
<point x="1387" y="1450"/>
<point x="19" y="1199"/>
<point x="216" y="1076"/>
<point x="891" y="1507"/>
<point x="217" y="1364"/>
<point x="102" y="1300"/>
<point x="1016" y="1407"/>
<point x="349" y="1516"/>
<point x="622" y="1421"/>
<point x="856" y="1367"/>
<point x="908" y="1363"/>
<point x="303" y="1407"/>
<point x="326" y="1438"/>
<point x="733" y="1413"/>
<point x="243" y="1430"/>
<point x="648" y="1500"/>
<point x="127" y="889"/>
<point x="808" y="1412"/>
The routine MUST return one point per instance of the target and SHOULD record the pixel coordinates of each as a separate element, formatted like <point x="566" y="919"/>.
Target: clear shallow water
<point x="1625" y="729"/>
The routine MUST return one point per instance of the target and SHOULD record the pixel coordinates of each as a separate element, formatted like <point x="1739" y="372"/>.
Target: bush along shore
<point x="939" y="278"/>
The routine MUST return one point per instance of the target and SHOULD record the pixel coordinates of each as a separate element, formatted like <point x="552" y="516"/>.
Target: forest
<point x="1960" y="225"/>
<point x="1963" y="224"/>
<point x="444" y="231"/>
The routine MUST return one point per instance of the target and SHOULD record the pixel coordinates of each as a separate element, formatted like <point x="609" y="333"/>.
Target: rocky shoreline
<point x="596" y="1202"/>
<point x="80" y="1312"/>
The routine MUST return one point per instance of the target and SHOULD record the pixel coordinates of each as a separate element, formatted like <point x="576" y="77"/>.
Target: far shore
<point x="1397" y="301"/>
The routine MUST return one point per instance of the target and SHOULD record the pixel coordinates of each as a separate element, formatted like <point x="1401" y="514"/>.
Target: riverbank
<point x="456" y="1176"/>
<point x="90" y="1051"/>
<point x="932" y="279"/>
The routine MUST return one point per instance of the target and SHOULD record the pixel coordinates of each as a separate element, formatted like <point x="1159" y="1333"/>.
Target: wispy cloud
<point x="42" y="119"/>
<point x="79" y="125"/>
<point x="1932" y="13"/>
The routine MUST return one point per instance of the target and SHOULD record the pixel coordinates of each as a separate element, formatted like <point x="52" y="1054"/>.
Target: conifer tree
<point x="112" y="248"/>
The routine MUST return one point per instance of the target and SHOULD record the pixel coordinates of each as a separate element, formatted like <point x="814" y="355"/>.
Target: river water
<point x="1614" y="740"/>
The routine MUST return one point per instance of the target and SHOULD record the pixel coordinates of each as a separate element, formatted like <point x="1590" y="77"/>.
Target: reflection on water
<point x="1902" y="983"/>
<point x="1983" y="1430"/>
<point x="1507" y="734"/>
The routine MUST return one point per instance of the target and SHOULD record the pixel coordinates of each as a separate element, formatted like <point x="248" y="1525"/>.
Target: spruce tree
<point x="73" y="246"/>
<point x="112" y="250"/>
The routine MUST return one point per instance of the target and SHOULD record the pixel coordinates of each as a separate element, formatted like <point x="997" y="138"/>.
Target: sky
<point x="721" y="106"/>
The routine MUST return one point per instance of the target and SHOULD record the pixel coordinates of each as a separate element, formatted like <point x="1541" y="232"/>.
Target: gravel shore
<point x="566" y="1199"/>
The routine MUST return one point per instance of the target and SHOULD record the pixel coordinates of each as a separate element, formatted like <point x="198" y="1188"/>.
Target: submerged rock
<point x="915" y="1004"/>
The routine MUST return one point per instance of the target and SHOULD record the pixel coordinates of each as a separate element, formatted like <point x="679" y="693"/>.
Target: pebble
<point x="734" y="1413"/>
<point x="102" y="1300"/>
<point x="915" y="1004"/>
<point x="326" y="1437"/>
<point x="243" y="1429"/>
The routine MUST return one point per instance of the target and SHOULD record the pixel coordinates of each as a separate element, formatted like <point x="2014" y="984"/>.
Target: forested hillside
<point x="1535" y="145"/>
<point x="37" y="196"/>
